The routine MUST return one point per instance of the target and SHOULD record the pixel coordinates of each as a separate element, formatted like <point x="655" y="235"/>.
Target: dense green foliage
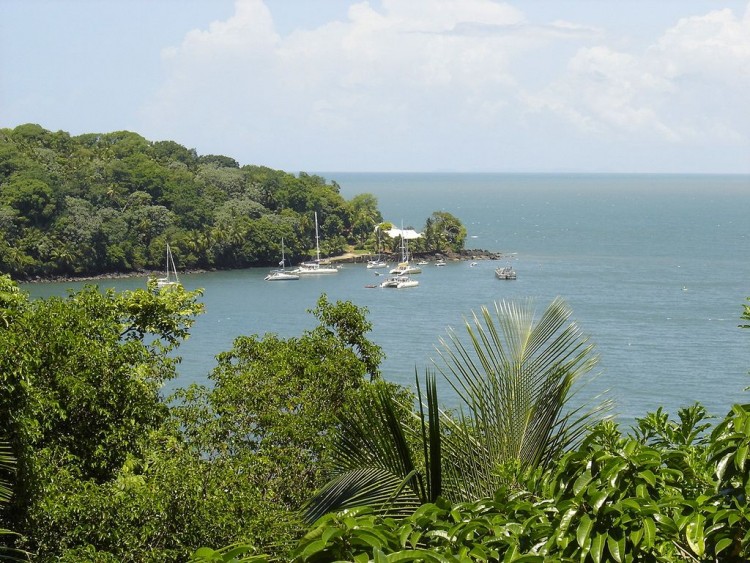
<point x="80" y="393"/>
<point x="108" y="470"/>
<point x="100" y="203"/>
<point x="667" y="492"/>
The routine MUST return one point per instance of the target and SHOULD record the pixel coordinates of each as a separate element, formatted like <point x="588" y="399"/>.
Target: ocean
<point x="656" y="269"/>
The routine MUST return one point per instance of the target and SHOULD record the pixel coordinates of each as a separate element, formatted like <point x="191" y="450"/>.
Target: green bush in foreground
<point x="667" y="493"/>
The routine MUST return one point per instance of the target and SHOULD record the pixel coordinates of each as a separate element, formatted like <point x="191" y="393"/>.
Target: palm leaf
<point x="515" y="378"/>
<point x="7" y="465"/>
<point x="374" y="463"/>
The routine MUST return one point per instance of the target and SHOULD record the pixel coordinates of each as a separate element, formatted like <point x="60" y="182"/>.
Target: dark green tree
<point x="81" y="379"/>
<point x="444" y="232"/>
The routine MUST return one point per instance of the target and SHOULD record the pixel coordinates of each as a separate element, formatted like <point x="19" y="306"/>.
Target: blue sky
<point x="394" y="85"/>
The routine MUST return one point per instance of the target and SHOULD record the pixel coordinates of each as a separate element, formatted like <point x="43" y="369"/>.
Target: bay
<point x="655" y="268"/>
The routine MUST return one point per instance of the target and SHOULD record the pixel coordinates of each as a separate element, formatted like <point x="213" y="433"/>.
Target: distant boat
<point x="404" y="268"/>
<point x="378" y="261"/>
<point x="440" y="262"/>
<point x="170" y="278"/>
<point x="399" y="282"/>
<point x="422" y="263"/>
<point x="315" y="267"/>
<point x="281" y="274"/>
<point x="505" y="273"/>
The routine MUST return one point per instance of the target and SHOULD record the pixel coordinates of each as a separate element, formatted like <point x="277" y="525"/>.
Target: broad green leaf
<point x="636" y="536"/>
<point x="583" y="533"/>
<point x="740" y="457"/>
<point x="372" y="536"/>
<point x="311" y="548"/>
<point x="666" y="523"/>
<point x="598" y="500"/>
<point x="616" y="548"/>
<point x="631" y="503"/>
<point x="648" y="476"/>
<point x="597" y="547"/>
<point x="695" y="536"/>
<point x="649" y="532"/>
<point x="566" y="519"/>
<point x="583" y="480"/>
<point x="722" y="544"/>
<point x="330" y="533"/>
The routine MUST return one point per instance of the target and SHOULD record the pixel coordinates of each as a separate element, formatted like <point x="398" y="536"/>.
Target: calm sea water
<point x="655" y="268"/>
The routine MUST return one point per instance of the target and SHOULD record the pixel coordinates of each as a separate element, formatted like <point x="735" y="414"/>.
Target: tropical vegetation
<point x="108" y="469"/>
<point x="514" y="380"/>
<point x="296" y="449"/>
<point x="110" y="202"/>
<point x="670" y="491"/>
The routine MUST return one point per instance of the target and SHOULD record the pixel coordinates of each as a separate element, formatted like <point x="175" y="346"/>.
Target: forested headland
<point x="103" y="203"/>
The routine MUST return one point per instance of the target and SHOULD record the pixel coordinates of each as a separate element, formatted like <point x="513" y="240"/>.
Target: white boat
<point x="422" y="263"/>
<point x="440" y="262"/>
<point x="505" y="273"/>
<point x="404" y="268"/>
<point x="281" y="274"/>
<point x="377" y="262"/>
<point x="399" y="282"/>
<point x="170" y="278"/>
<point x="315" y="267"/>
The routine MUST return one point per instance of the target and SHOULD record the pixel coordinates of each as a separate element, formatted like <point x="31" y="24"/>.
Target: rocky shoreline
<point x="464" y="255"/>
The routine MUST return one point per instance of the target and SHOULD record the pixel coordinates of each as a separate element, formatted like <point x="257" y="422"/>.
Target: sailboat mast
<point x="317" y="242"/>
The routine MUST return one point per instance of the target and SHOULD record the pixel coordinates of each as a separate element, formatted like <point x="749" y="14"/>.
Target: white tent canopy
<point x="408" y="234"/>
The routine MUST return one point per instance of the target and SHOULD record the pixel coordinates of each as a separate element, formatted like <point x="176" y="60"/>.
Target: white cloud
<point x="434" y="81"/>
<point x="689" y="86"/>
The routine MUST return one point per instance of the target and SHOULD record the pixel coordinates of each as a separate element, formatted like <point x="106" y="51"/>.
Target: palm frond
<point x="7" y="466"/>
<point x="515" y="378"/>
<point x="374" y="463"/>
<point x="431" y="439"/>
<point x="367" y="486"/>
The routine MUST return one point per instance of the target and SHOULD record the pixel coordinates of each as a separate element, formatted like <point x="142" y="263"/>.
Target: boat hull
<point x="506" y="273"/>
<point x="281" y="276"/>
<point x="322" y="270"/>
<point x="399" y="282"/>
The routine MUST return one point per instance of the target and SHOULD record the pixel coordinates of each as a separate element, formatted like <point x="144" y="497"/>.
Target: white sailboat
<point x="404" y="268"/>
<point x="281" y="274"/>
<point x="170" y="278"/>
<point x="377" y="262"/>
<point x="315" y="267"/>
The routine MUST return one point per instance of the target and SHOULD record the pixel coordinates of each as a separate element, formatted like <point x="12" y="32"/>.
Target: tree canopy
<point x="99" y="203"/>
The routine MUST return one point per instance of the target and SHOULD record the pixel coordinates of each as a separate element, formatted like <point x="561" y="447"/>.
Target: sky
<point x="636" y="86"/>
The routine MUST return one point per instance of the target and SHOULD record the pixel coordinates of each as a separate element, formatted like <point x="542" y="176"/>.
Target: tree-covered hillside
<point x="102" y="203"/>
